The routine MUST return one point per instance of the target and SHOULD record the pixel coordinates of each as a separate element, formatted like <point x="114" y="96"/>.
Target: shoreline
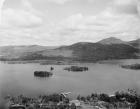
<point x="64" y="62"/>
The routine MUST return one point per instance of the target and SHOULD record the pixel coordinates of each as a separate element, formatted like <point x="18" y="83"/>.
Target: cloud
<point x="20" y="25"/>
<point x="119" y="20"/>
<point x="23" y="17"/>
<point x="20" y="18"/>
<point x="59" y="1"/>
<point x="138" y="6"/>
<point x="1" y="4"/>
<point x="124" y="6"/>
<point x="24" y="36"/>
<point x="124" y="2"/>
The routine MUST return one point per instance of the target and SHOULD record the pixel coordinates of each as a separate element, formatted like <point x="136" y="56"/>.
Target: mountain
<point x="22" y="49"/>
<point x="111" y="40"/>
<point x="135" y="43"/>
<point x="13" y="52"/>
<point x="97" y="51"/>
<point x="110" y="48"/>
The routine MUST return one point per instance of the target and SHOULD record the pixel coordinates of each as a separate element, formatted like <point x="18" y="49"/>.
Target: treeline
<point x="31" y="57"/>
<point x="121" y="99"/>
<point x="129" y="99"/>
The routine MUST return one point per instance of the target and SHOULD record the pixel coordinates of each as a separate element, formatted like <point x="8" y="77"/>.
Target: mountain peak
<point x="111" y="40"/>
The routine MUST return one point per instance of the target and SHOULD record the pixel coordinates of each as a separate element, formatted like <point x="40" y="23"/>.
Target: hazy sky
<point x="61" y="22"/>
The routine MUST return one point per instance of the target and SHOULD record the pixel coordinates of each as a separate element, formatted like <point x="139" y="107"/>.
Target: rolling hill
<point x="110" y="48"/>
<point x="111" y="40"/>
<point x="135" y="43"/>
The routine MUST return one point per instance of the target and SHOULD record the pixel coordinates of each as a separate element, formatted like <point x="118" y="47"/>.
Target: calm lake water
<point x="105" y="77"/>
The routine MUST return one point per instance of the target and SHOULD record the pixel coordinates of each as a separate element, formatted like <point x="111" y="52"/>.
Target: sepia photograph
<point x="69" y="54"/>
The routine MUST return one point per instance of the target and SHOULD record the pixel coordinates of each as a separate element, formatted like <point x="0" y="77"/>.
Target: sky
<point x="64" y="22"/>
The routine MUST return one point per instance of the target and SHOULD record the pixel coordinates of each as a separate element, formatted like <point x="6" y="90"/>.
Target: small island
<point x="132" y="66"/>
<point x="42" y="74"/>
<point x="76" y="69"/>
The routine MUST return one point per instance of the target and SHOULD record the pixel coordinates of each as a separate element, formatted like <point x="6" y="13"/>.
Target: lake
<point x="106" y="77"/>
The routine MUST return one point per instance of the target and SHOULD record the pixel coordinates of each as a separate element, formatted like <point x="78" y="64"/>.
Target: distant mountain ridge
<point x="135" y="43"/>
<point x="106" y="49"/>
<point x="111" y="40"/>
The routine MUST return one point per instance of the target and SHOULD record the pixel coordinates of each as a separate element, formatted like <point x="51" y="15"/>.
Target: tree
<point x="104" y="97"/>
